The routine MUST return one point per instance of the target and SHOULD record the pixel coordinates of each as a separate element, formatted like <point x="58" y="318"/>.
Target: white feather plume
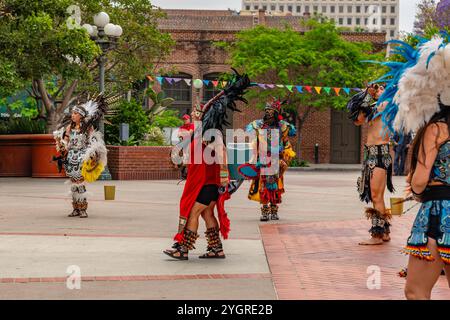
<point x="420" y="85"/>
<point x="91" y="107"/>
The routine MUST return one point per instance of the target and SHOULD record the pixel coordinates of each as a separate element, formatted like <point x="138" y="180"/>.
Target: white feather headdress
<point x="413" y="86"/>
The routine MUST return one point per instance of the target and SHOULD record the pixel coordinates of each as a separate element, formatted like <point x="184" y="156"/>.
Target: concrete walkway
<point x="118" y="248"/>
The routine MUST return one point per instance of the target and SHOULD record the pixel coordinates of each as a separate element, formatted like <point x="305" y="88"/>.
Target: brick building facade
<point x="195" y="57"/>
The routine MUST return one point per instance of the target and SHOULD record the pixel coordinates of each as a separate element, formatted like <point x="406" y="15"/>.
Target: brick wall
<point x="195" y="32"/>
<point x="141" y="163"/>
<point x="317" y="129"/>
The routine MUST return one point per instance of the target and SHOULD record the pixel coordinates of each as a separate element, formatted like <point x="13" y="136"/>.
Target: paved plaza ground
<point x="311" y="253"/>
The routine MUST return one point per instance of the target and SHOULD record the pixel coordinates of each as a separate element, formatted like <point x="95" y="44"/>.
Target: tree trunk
<point x="54" y="114"/>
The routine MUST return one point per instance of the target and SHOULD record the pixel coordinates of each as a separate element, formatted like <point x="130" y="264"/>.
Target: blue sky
<point x="407" y="8"/>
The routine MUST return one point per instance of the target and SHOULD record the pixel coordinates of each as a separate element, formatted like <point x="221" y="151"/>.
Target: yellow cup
<point x="397" y="206"/>
<point x="110" y="192"/>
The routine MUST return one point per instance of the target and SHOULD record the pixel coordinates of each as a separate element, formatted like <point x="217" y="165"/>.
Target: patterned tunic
<point x="78" y="144"/>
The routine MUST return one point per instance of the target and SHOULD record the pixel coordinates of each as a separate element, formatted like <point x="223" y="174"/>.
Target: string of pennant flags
<point x="292" y="88"/>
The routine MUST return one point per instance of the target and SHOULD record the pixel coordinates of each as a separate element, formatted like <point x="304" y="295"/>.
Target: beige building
<point x="368" y="15"/>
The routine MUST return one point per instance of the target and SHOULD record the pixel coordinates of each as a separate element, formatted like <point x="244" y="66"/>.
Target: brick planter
<point x="141" y="163"/>
<point x="28" y="155"/>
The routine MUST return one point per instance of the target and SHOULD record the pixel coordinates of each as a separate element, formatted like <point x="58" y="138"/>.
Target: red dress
<point x="199" y="175"/>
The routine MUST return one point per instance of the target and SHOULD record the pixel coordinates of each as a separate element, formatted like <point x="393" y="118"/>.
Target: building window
<point x="316" y="9"/>
<point x="349" y="21"/>
<point x="179" y="91"/>
<point x="290" y="8"/>
<point x="281" y="8"/>
<point x="358" y="21"/>
<point x="341" y="9"/>
<point x="332" y="9"/>
<point x="392" y="9"/>
<point x="358" y="9"/>
<point x="209" y="91"/>
<point x="392" y="33"/>
<point x="349" y="9"/>
<point x="256" y="7"/>
<point x="273" y="8"/>
<point x="247" y="8"/>
<point x="306" y="8"/>
<point x="383" y="9"/>
<point x="341" y="21"/>
<point x="324" y="9"/>
<point x="383" y="21"/>
<point x="393" y="21"/>
<point x="265" y="8"/>
<point x="299" y="9"/>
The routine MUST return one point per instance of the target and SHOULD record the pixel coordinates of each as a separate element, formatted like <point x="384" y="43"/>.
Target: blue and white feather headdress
<point x="413" y="86"/>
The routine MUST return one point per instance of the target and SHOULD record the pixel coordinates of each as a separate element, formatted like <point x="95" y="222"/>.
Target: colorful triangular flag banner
<point x="280" y="85"/>
<point x="308" y="88"/>
<point x="347" y="90"/>
<point x="215" y="83"/>
<point x="337" y="90"/>
<point x="299" y="89"/>
<point x="318" y="89"/>
<point x="188" y="81"/>
<point x="327" y="90"/>
<point x="206" y="82"/>
<point x="160" y="79"/>
<point x="289" y="87"/>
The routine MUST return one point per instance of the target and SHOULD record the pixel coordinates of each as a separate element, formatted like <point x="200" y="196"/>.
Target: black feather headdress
<point x="215" y="110"/>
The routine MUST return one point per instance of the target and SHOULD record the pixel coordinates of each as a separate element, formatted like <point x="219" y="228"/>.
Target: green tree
<point x="38" y="46"/>
<point x="319" y="57"/>
<point x="128" y="112"/>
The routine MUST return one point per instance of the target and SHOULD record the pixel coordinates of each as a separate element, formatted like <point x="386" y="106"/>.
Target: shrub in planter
<point x="22" y="125"/>
<point x="127" y="112"/>
<point x="154" y="137"/>
<point x="167" y="119"/>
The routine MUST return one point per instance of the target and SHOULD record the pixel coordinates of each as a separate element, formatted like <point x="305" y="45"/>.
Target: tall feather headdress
<point x="413" y="86"/>
<point x="94" y="109"/>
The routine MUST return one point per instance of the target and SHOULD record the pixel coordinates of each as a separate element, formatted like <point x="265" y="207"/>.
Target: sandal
<point x="75" y="213"/>
<point x="213" y="254"/>
<point x="183" y="255"/>
<point x="83" y="214"/>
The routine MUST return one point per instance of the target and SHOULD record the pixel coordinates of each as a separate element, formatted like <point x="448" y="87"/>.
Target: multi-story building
<point x="367" y="15"/>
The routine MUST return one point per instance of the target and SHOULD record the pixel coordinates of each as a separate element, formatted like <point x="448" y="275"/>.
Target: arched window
<point x="175" y="87"/>
<point x="209" y="91"/>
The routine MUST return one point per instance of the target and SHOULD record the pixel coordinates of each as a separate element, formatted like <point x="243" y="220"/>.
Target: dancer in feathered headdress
<point x="203" y="192"/>
<point x="267" y="187"/>
<point x="377" y="162"/>
<point x="418" y="98"/>
<point x="82" y="149"/>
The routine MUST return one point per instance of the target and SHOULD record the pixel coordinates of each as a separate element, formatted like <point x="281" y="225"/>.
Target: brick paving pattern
<point x="323" y="261"/>
<point x="143" y="278"/>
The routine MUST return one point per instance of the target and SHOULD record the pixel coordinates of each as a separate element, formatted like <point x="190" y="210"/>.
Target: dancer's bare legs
<point x="423" y="275"/>
<point x="211" y="222"/>
<point x="377" y="187"/>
